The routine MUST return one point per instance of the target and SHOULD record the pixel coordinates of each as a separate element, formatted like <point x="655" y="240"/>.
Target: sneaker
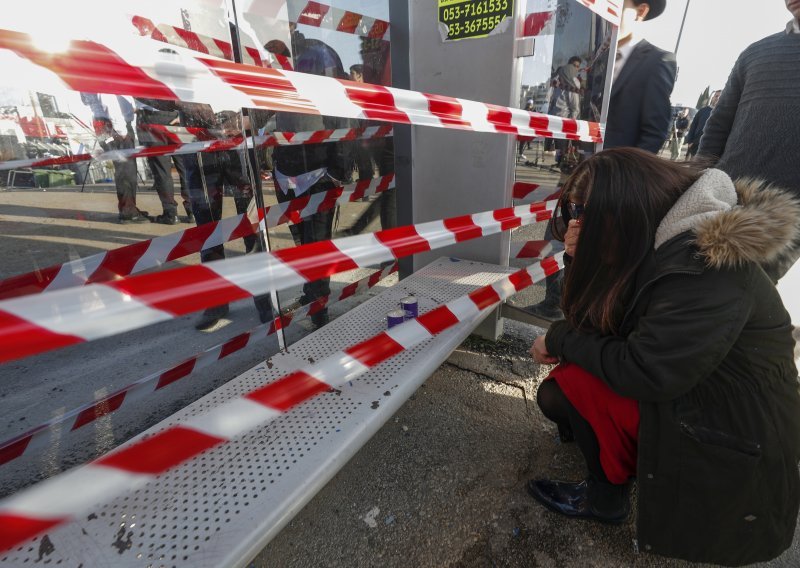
<point x="166" y="219"/>
<point x="320" y="318"/>
<point x="211" y="317"/>
<point x="545" y="311"/>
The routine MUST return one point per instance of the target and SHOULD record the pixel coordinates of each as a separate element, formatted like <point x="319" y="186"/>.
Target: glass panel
<point x="567" y="77"/>
<point x="104" y="219"/>
<point x="297" y="175"/>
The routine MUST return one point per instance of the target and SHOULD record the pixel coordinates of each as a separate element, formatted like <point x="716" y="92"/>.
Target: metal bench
<point x="223" y="507"/>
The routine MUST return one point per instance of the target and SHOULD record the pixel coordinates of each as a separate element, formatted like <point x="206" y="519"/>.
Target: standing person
<point x="312" y="168"/>
<point x="756" y="124"/>
<point x="679" y="128"/>
<point x="112" y="135"/>
<point x="699" y="124"/>
<point x="639" y="111"/>
<point x="676" y="359"/>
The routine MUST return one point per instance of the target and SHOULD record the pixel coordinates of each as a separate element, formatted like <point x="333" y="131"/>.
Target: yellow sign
<point x="472" y="18"/>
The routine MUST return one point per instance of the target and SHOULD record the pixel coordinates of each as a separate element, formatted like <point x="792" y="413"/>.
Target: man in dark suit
<point x="639" y="111"/>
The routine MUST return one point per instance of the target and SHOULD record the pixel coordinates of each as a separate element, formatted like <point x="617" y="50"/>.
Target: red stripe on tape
<point x="438" y="320"/>
<point x="243" y="229"/>
<point x="100" y="408"/>
<point x="539" y="122"/>
<point x="522" y="189"/>
<point x="316" y="260"/>
<point x="507" y="218"/>
<point x="17" y="529"/>
<point x="193" y="42"/>
<point x="225" y="48"/>
<point x="20" y="338"/>
<point x="464" y="228"/>
<point x="160" y="452"/>
<point x="521" y="280"/>
<point x="500" y="117"/>
<point x="289" y="391"/>
<point x="448" y="110"/>
<point x="378" y="29"/>
<point x="118" y="262"/>
<point x="403" y="241"/>
<point x="70" y="66"/>
<point x="192" y="241"/>
<point x="376" y="101"/>
<point x="255" y="55"/>
<point x="349" y="22"/>
<point x="484" y="297"/>
<point x="532" y="249"/>
<point x="550" y="266"/>
<point x="313" y="14"/>
<point x="176" y="373"/>
<point x="350" y="289"/>
<point x="374" y="350"/>
<point x="181" y="291"/>
<point x="15" y="449"/>
<point x="237" y="343"/>
<point x="31" y="283"/>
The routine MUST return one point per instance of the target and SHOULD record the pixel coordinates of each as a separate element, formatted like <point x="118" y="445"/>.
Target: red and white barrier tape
<point x="532" y="192"/>
<point x="189" y="140"/>
<point x="77" y="418"/>
<point x="127" y="67"/>
<point x="323" y="16"/>
<point x="539" y="23"/>
<point x="535" y="249"/>
<point x="610" y="10"/>
<point x="68" y="495"/>
<point x="181" y="37"/>
<point x="36" y="324"/>
<point x="152" y="253"/>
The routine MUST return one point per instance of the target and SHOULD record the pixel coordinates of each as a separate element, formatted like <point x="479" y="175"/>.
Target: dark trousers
<point x="160" y="166"/>
<point x="206" y="187"/>
<point x="557" y="407"/>
<point x="125" y="176"/>
<point x="312" y="229"/>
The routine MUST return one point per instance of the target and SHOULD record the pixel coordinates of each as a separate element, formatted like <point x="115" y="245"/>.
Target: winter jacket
<point x="706" y="347"/>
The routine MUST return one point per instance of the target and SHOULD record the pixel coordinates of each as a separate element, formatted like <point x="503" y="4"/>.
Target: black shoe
<point x="138" y="217"/>
<point x="264" y="307"/>
<point x="588" y="499"/>
<point x="166" y="219"/>
<point x="211" y="317"/>
<point x="320" y="318"/>
<point x="545" y="311"/>
<point x="189" y="217"/>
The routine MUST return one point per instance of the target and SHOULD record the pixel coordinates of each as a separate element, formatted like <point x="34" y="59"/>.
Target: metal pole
<point x="680" y="33"/>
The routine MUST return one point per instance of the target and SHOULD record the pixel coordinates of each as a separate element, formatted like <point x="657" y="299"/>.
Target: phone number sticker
<point x="462" y="19"/>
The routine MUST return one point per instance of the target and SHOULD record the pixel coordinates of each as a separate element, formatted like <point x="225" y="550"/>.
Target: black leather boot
<point x="548" y="308"/>
<point x="589" y="499"/>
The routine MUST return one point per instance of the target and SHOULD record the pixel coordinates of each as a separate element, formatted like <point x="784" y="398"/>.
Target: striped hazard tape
<point x="30" y="325"/>
<point x="320" y="15"/>
<point x="533" y="192"/>
<point x="152" y="253"/>
<point x="133" y="66"/>
<point x="72" y="420"/>
<point x="178" y="140"/>
<point x="610" y="10"/>
<point x="68" y="495"/>
<point x="535" y="249"/>
<point x="178" y="36"/>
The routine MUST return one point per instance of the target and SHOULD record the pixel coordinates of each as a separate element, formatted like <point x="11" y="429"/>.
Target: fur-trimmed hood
<point x="734" y="222"/>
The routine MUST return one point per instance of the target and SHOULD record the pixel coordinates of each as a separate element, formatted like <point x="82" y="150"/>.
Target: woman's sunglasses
<point x="575" y="210"/>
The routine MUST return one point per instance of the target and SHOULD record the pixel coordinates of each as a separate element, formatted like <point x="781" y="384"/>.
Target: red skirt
<point x="614" y="419"/>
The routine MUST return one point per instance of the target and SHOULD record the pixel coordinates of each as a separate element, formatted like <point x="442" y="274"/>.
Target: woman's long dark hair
<point x="626" y="193"/>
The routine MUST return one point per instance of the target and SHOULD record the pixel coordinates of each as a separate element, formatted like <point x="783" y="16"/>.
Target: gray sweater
<point x="755" y="127"/>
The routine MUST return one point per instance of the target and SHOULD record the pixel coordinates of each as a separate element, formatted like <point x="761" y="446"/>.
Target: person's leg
<point x="161" y="168"/>
<point x="594" y="497"/>
<point x="550" y="308"/>
<point x="182" y="177"/>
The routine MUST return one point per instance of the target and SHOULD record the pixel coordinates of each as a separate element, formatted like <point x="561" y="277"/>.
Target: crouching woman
<point x="676" y="361"/>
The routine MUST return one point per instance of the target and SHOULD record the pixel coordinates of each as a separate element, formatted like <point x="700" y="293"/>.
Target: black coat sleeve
<point x="656" y="110"/>
<point x="690" y="324"/>
<point x="691" y="137"/>
<point x="719" y="124"/>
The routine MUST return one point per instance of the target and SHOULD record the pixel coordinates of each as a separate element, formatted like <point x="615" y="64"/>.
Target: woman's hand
<point x="571" y="237"/>
<point x="540" y="354"/>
